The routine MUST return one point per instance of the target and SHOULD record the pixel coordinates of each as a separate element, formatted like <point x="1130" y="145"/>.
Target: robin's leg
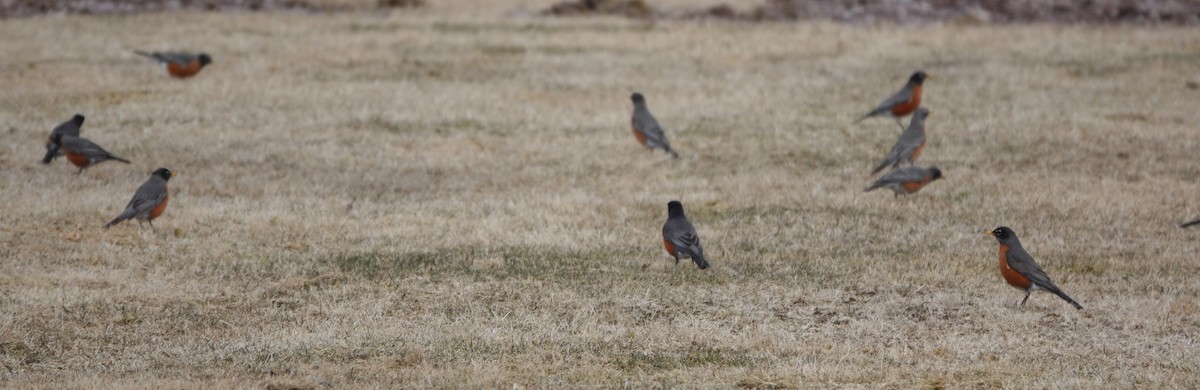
<point x="676" y="259"/>
<point x="899" y="123"/>
<point x="1026" y="298"/>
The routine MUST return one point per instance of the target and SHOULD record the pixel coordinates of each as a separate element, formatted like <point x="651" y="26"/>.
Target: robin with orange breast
<point x="909" y="146"/>
<point x="180" y="65"/>
<point x="906" y="181"/>
<point x="71" y="127"/>
<point x="149" y="201"/>
<point x="646" y="128"/>
<point x="83" y="153"/>
<point x="680" y="238"/>
<point x="1020" y="271"/>
<point x="904" y="102"/>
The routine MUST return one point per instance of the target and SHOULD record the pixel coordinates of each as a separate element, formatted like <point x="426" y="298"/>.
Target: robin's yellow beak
<point x="990" y="233"/>
<point x="173" y="173"/>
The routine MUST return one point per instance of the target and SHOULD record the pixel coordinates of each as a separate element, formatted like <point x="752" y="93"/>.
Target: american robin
<point x="904" y="102"/>
<point x="82" y="152"/>
<point x="70" y="127"/>
<point x="149" y="201"/>
<point x="1019" y="269"/>
<point x="180" y="65"/>
<point x="910" y="144"/>
<point x="907" y="180"/>
<point x="646" y="128"/>
<point x="1190" y="224"/>
<point x="679" y="237"/>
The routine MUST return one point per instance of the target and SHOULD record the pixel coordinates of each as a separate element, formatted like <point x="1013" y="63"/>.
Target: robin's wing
<point x="683" y="236"/>
<point x="902" y="96"/>
<point x="83" y="146"/>
<point x="644" y="122"/>
<point x="66" y="128"/>
<point x="149" y="195"/>
<point x="1022" y="262"/>
<point x="905" y="175"/>
<point x="176" y="58"/>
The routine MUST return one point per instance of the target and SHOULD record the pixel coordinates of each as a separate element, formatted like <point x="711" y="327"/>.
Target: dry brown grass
<point x="504" y="228"/>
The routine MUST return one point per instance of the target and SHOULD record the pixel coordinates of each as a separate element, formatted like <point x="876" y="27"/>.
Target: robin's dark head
<point x="638" y="98"/>
<point x="921" y="113"/>
<point x="205" y="59"/>
<point x="1004" y="235"/>
<point x="934" y="173"/>
<point x="674" y="209"/>
<point x="918" y="78"/>
<point x="77" y="120"/>
<point x="164" y="173"/>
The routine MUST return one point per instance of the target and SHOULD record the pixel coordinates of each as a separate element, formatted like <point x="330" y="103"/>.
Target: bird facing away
<point x="680" y="238"/>
<point x="84" y="153"/>
<point x="149" y="201"/>
<point x="1190" y="224"/>
<point x="907" y="180"/>
<point x="904" y="102"/>
<point x="71" y="127"/>
<point x="179" y="65"/>
<point x="909" y="146"/>
<point x="646" y="128"/>
<point x="1020" y="271"/>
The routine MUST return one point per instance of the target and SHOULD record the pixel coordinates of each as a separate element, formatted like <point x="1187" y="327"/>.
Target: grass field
<point x="451" y="196"/>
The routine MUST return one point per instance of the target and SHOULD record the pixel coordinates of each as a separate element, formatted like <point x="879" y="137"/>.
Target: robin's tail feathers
<point x="880" y="167"/>
<point x="1190" y="224"/>
<point x="145" y="54"/>
<point x="118" y="159"/>
<point x="129" y="212"/>
<point x="1065" y="297"/>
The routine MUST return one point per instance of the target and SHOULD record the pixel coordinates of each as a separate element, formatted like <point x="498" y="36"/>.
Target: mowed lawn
<point x="436" y="198"/>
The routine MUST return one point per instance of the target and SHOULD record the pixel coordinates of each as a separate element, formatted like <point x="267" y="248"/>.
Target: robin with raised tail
<point x="82" y="152"/>
<point x="904" y="102"/>
<point x="179" y="65"/>
<point x="909" y="146"/>
<point x="907" y="180"/>
<point x="149" y="201"/>
<point x="1190" y="224"/>
<point x="680" y="238"/>
<point x="71" y="127"/>
<point x="646" y="128"/>
<point x="1020" y="271"/>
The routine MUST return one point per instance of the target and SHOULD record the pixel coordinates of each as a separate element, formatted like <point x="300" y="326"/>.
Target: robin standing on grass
<point x="180" y="65"/>
<point x="910" y="144"/>
<point x="149" y="201"/>
<point x="680" y="238"/>
<point x="70" y="127"/>
<point x="1019" y="269"/>
<point x="904" y="102"/>
<point x="646" y="128"/>
<point x="83" y="153"/>
<point x="1190" y="224"/>
<point x="907" y="180"/>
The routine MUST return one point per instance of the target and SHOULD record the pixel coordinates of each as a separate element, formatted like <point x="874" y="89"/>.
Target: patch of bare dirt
<point x="24" y="8"/>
